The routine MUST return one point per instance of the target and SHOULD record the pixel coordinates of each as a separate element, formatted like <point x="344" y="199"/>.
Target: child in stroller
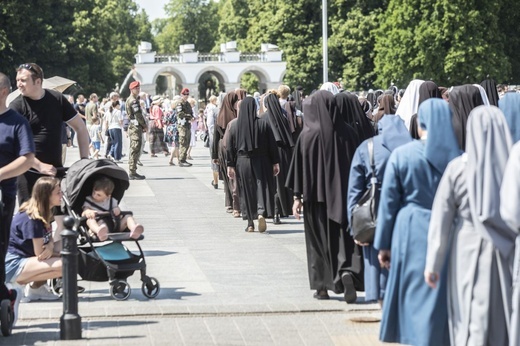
<point x="110" y="260"/>
<point x="101" y="200"/>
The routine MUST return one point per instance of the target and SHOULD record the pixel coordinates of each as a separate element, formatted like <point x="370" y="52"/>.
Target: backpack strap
<point x="370" y="145"/>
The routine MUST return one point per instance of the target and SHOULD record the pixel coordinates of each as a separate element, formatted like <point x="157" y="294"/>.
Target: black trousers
<point x="5" y="227"/>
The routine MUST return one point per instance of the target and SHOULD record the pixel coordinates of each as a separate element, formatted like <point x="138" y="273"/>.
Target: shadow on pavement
<point x="158" y="253"/>
<point x="165" y="293"/>
<point x="284" y="231"/>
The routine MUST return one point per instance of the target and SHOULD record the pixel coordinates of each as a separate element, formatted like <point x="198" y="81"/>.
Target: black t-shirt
<point x="45" y="117"/>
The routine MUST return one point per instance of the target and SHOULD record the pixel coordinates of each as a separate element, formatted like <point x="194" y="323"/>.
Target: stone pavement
<point x="219" y="284"/>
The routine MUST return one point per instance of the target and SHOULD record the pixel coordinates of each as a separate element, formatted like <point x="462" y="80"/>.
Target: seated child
<point x="101" y="201"/>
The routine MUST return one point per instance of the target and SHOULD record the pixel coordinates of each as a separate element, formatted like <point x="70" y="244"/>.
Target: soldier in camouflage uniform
<point x="135" y="129"/>
<point x="184" y="116"/>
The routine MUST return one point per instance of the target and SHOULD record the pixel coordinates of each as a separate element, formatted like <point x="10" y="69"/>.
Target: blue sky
<point x="154" y="8"/>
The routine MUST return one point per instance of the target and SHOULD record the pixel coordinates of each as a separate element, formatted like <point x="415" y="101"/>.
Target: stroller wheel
<point x="120" y="290"/>
<point x="6" y="317"/>
<point x="150" y="287"/>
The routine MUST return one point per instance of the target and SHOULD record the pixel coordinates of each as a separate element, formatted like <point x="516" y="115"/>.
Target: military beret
<point x="134" y="85"/>
<point x="185" y="91"/>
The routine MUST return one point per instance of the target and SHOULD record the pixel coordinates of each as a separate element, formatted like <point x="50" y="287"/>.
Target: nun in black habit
<point x="279" y="125"/>
<point x="318" y="176"/>
<point x="463" y="99"/>
<point x="427" y="90"/>
<point x="252" y="155"/>
<point x="352" y="113"/>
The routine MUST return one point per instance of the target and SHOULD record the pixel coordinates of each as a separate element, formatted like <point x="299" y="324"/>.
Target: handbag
<point x="364" y="214"/>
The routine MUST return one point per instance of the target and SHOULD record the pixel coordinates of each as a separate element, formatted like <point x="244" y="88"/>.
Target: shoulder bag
<point x="364" y="215"/>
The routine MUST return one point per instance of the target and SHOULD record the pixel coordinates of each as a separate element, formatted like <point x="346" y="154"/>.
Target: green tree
<point x="476" y="44"/>
<point x="351" y="44"/>
<point x="189" y="21"/>
<point x="234" y="22"/>
<point x="450" y="42"/>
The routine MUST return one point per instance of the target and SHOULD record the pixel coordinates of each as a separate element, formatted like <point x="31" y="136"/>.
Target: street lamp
<point x="325" y="39"/>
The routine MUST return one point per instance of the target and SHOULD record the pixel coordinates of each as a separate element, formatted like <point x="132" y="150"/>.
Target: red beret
<point x="185" y="91"/>
<point x="134" y="84"/>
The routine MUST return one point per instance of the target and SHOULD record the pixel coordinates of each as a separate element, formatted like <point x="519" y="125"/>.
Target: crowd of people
<point x="444" y="259"/>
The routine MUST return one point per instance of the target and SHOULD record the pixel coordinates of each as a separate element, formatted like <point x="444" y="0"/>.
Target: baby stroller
<point x="110" y="260"/>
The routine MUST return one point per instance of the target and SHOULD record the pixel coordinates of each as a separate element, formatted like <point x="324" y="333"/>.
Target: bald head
<point x="4" y="81"/>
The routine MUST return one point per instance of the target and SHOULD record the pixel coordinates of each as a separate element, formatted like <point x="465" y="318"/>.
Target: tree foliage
<point x="92" y="42"/>
<point x="189" y="22"/>
<point x="372" y="43"/>
<point x="450" y="42"/>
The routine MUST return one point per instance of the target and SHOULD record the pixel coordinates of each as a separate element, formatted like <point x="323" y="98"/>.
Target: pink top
<point x="156" y="116"/>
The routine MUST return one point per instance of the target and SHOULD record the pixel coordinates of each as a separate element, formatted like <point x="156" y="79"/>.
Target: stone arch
<point x="216" y="71"/>
<point x="257" y="71"/>
<point x="201" y="79"/>
<point x="174" y="83"/>
<point x="260" y="73"/>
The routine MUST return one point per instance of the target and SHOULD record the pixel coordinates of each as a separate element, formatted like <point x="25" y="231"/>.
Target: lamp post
<point x="325" y="43"/>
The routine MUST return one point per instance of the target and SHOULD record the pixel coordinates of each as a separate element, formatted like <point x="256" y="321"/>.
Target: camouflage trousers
<point x="136" y="140"/>
<point x="184" y="141"/>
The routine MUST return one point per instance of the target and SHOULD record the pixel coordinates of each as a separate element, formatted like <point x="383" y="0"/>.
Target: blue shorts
<point x="14" y="265"/>
<point x="96" y="145"/>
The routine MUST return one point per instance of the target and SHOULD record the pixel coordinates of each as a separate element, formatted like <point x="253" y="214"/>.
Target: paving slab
<point x="219" y="284"/>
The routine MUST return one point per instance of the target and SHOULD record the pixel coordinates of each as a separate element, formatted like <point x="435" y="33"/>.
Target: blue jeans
<point x="116" y="149"/>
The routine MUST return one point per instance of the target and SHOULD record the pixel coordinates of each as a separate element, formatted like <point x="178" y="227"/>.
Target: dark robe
<point x="350" y="109"/>
<point x="428" y="90"/>
<point x="252" y="151"/>
<point x="284" y="141"/>
<point x="490" y="86"/>
<point x="462" y="100"/>
<point x="226" y="113"/>
<point x="319" y="173"/>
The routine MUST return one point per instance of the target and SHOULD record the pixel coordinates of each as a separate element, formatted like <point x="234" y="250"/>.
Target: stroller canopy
<point x="80" y="177"/>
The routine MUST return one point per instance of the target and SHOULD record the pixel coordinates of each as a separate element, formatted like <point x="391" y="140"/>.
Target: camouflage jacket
<point x="134" y="111"/>
<point x="184" y="113"/>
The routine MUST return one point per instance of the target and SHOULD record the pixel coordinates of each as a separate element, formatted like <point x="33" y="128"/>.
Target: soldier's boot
<point x="185" y="163"/>
<point x="135" y="176"/>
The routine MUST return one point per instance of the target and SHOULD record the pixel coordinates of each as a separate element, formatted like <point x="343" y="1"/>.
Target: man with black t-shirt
<point x="45" y="110"/>
<point x="16" y="157"/>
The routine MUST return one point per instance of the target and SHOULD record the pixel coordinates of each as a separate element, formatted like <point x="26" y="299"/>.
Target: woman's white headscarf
<point x="409" y="102"/>
<point x="330" y="87"/>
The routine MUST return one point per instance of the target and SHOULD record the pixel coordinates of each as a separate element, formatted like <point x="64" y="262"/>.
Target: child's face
<point x="55" y="198"/>
<point x="99" y="196"/>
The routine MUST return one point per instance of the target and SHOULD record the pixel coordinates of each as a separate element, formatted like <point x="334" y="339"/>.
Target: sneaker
<point x="135" y="176"/>
<point x="41" y="293"/>
<point x="262" y="226"/>
<point x="15" y="297"/>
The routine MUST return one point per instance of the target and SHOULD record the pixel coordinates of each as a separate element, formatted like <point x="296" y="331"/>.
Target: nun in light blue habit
<point x="413" y="313"/>
<point x="510" y="105"/>
<point x="392" y="134"/>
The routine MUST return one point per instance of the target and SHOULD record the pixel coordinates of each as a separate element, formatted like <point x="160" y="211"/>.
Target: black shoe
<point x="135" y="176"/>
<point x="321" y="295"/>
<point x="145" y="152"/>
<point x="184" y="163"/>
<point x="276" y="220"/>
<point x="215" y="186"/>
<point x="348" y="285"/>
<point x="139" y="162"/>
